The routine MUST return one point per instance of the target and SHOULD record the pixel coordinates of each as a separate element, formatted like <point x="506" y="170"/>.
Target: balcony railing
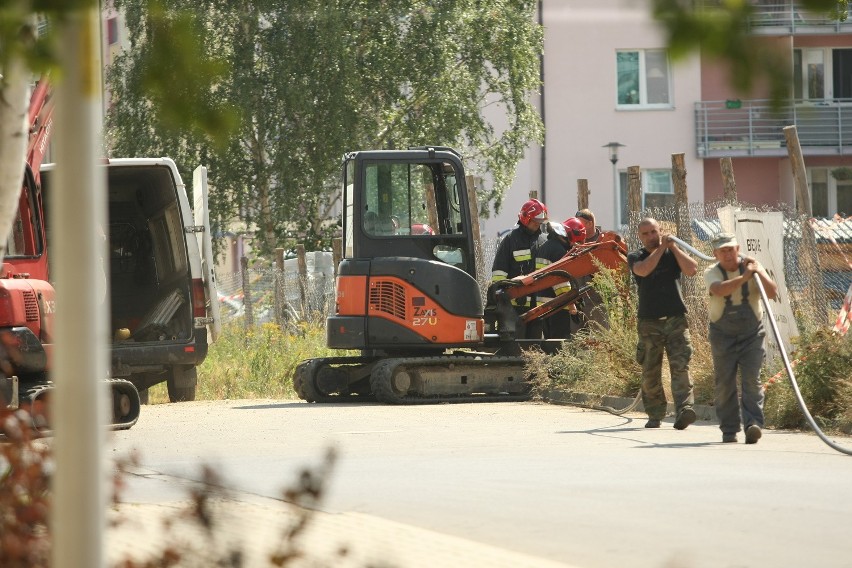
<point x="785" y="16"/>
<point x="754" y="128"/>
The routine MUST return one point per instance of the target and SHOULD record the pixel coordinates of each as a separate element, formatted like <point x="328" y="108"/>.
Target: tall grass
<point x="823" y="371"/>
<point x="257" y="362"/>
<point x="602" y="361"/>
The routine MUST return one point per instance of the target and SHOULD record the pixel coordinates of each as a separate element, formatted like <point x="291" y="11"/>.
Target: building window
<point x="830" y="193"/>
<point x="643" y="79"/>
<point x="112" y="30"/>
<point x="822" y="73"/>
<point x="657" y="191"/>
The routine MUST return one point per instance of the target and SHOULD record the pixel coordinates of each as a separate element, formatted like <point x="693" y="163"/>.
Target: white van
<point x="164" y="305"/>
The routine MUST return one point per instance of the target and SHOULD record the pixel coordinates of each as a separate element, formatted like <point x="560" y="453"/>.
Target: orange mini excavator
<point x="408" y="297"/>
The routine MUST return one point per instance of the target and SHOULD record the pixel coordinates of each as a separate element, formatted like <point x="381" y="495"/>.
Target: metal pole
<point x="615" y="185"/>
<point x="80" y="364"/>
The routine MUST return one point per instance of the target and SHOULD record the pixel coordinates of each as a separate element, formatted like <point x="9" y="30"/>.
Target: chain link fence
<point x="817" y="269"/>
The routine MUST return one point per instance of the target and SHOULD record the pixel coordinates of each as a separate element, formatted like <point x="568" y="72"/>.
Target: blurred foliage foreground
<point x="26" y="534"/>
<point x="259" y="363"/>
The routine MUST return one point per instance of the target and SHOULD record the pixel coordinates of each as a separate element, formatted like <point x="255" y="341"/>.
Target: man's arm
<point x="688" y="265"/>
<point x="770" y="287"/>
<point x="727" y="287"/>
<point x="643" y="268"/>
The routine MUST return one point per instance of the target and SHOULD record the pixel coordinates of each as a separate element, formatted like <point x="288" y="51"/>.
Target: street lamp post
<point x="613" y="157"/>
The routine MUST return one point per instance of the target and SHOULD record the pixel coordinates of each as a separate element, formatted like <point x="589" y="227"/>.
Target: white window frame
<point x="644" y="176"/>
<point x="827" y="73"/>
<point x="643" y="103"/>
<point x="831" y="185"/>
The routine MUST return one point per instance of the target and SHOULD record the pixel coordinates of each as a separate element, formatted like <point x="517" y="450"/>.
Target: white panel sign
<point x="761" y="236"/>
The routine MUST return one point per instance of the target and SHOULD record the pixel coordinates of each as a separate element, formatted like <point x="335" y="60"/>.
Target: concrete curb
<point x="585" y="400"/>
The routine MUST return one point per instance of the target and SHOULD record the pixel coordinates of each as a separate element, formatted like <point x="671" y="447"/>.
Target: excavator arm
<point x="582" y="260"/>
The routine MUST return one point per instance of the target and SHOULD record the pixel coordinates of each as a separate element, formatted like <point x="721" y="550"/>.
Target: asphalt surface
<point x="502" y="484"/>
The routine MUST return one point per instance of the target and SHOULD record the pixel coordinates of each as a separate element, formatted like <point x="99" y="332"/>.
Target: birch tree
<point x="311" y="79"/>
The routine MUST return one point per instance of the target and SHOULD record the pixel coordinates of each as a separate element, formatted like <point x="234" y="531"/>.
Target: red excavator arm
<point x="41" y="124"/>
<point x="609" y="251"/>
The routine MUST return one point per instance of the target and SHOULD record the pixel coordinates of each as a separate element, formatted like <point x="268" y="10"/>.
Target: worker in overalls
<point x="737" y="337"/>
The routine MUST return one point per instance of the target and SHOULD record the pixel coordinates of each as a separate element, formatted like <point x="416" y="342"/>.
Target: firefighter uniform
<point x="518" y="254"/>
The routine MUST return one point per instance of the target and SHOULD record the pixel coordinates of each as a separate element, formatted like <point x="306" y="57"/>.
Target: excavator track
<point x="125" y="405"/>
<point x="450" y="378"/>
<point x="334" y="379"/>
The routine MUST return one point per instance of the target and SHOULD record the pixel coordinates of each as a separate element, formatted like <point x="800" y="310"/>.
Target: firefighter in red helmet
<point x="518" y="254"/>
<point x="560" y="239"/>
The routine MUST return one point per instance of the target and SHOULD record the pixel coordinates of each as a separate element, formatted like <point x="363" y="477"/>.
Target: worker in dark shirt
<point x="518" y="254"/>
<point x="663" y="327"/>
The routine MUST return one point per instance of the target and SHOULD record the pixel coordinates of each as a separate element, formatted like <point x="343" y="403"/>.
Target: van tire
<point x="182" y="382"/>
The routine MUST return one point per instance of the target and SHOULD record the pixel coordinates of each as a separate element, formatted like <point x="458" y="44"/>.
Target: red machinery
<point x="27" y="299"/>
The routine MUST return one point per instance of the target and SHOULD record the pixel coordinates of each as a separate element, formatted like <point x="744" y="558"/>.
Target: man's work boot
<point x="684" y="419"/>
<point x="652" y="423"/>
<point x="753" y="434"/>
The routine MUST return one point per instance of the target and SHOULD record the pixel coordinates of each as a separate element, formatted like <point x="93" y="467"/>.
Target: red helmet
<point x="532" y="210"/>
<point x="575" y="230"/>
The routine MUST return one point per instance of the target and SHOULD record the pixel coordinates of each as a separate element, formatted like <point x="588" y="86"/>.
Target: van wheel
<point x="143" y="396"/>
<point x="181" y="383"/>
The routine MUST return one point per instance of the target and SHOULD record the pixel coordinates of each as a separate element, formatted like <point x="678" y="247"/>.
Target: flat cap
<point x="724" y="240"/>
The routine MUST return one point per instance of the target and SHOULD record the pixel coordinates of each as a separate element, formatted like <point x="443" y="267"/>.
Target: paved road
<point x="511" y="484"/>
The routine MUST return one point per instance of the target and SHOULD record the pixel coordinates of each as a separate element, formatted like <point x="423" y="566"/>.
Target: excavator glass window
<point x="406" y="204"/>
<point x="411" y="200"/>
<point x="23" y="238"/>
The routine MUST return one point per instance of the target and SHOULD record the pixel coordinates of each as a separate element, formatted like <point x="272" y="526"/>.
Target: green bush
<point x="823" y="372"/>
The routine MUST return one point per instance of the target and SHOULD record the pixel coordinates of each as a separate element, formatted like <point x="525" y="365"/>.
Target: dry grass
<point x="256" y="362"/>
<point x="603" y="361"/>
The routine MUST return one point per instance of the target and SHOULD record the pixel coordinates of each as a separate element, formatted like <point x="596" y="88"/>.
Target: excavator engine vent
<point x="30" y="305"/>
<point x="388" y="297"/>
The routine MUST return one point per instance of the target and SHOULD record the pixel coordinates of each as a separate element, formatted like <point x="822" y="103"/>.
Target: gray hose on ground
<point x="787" y="365"/>
<point x="611" y="410"/>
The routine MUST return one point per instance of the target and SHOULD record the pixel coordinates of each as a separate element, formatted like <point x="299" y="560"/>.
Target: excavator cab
<point x="408" y="275"/>
<point x="413" y="201"/>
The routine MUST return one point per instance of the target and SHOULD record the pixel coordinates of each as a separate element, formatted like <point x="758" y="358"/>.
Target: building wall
<point x="581" y="39"/>
<point x="758" y="180"/>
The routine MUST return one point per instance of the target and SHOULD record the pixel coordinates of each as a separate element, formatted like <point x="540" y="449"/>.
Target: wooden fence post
<point x="683" y="222"/>
<point x="249" y="316"/>
<point x="808" y="257"/>
<point x="800" y="176"/>
<point x="303" y="278"/>
<point x="280" y="300"/>
<point x="582" y="194"/>
<point x="336" y="252"/>
<point x="634" y="206"/>
<point x="728" y="180"/>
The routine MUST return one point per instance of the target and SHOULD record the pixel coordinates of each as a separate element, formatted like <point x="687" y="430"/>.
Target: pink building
<point x="608" y="79"/>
